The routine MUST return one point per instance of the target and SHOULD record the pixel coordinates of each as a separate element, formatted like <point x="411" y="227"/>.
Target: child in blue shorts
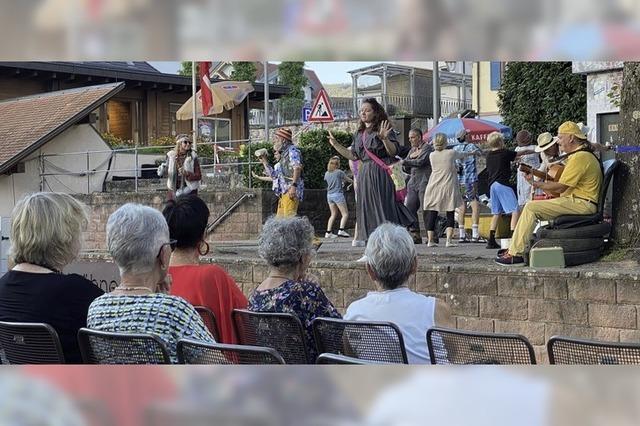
<point x="335" y="179"/>
<point x="503" y="198"/>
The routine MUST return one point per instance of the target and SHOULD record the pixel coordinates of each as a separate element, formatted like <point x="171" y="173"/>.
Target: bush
<point x="539" y="96"/>
<point x="316" y="152"/>
<point x="243" y="156"/>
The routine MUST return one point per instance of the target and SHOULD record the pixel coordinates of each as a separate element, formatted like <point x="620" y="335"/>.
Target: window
<point x="215" y="130"/>
<point x="173" y="121"/>
<point x="124" y="119"/>
<point x="497" y="69"/>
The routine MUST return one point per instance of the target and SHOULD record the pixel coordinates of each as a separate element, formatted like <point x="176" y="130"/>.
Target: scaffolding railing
<point x="213" y="155"/>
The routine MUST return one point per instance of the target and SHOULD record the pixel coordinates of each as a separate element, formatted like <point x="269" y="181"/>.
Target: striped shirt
<point x="170" y="317"/>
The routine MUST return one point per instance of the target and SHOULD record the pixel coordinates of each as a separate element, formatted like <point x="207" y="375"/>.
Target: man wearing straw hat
<point x="579" y="189"/>
<point x="288" y="176"/>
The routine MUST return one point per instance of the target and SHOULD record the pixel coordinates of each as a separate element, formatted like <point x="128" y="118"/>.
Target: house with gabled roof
<point x="35" y="129"/>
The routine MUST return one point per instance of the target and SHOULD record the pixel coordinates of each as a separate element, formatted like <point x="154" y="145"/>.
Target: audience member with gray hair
<point x="138" y="241"/>
<point x="391" y="261"/>
<point x="286" y="245"/>
<point x="46" y="235"/>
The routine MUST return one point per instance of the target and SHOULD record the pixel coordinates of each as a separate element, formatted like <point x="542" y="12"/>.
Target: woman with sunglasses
<point x="138" y="241"/>
<point x="182" y="169"/>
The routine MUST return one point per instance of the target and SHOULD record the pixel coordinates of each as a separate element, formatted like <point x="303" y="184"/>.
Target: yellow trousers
<point x="535" y="211"/>
<point x="287" y="206"/>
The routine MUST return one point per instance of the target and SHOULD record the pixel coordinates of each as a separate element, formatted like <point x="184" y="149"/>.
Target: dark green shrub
<point x="316" y="152"/>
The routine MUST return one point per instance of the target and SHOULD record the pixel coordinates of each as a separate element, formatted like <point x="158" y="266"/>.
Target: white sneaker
<point x="432" y="244"/>
<point x="451" y="244"/>
<point x="342" y="233"/>
<point x="330" y="235"/>
<point x="362" y="259"/>
<point x="357" y="243"/>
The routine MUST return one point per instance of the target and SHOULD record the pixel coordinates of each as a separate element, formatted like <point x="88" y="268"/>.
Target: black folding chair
<point x="101" y="347"/>
<point x="327" y="358"/>
<point x="280" y="331"/>
<point x="570" y="351"/>
<point x="29" y="343"/>
<point x="367" y="340"/>
<point x="195" y="352"/>
<point x="448" y="346"/>
<point x="209" y="319"/>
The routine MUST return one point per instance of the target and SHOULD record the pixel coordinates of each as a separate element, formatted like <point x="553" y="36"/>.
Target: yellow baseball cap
<point x="571" y="128"/>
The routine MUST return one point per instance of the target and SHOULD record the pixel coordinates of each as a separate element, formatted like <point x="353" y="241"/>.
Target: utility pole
<point x="436" y="93"/>
<point x="265" y="75"/>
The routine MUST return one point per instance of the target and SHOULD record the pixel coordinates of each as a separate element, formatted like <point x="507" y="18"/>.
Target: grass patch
<point x="616" y="254"/>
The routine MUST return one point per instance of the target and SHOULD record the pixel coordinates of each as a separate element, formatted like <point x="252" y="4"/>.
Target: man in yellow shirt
<point x="579" y="186"/>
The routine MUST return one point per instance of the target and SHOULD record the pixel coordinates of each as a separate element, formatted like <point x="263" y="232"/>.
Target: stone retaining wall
<point x="535" y="303"/>
<point x="245" y="222"/>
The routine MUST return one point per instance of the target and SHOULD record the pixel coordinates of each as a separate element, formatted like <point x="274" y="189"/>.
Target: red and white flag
<point x="205" y="87"/>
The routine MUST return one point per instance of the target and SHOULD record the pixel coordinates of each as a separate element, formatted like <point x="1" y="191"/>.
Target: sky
<point x="328" y="72"/>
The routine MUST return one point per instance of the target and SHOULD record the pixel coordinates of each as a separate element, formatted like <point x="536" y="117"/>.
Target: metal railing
<point x="220" y="155"/>
<point x="287" y="112"/>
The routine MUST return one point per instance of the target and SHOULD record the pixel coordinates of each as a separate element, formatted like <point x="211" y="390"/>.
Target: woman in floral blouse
<point x="286" y="246"/>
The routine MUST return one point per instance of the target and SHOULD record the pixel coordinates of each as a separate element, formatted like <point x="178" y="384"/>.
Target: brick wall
<point x="245" y="222"/>
<point x="536" y="304"/>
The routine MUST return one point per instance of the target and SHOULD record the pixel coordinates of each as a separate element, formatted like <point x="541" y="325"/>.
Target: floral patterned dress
<point x="304" y="299"/>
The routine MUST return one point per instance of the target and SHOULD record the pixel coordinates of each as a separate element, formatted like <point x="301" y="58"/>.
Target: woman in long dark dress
<point x="375" y="190"/>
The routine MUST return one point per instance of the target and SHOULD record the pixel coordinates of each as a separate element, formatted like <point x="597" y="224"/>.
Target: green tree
<point x="539" y="96"/>
<point x="626" y="187"/>
<point x="244" y="71"/>
<point x="185" y="68"/>
<point x="291" y="74"/>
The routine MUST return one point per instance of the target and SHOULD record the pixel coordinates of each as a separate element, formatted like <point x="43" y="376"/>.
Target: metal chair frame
<point x="29" y="343"/>
<point x="372" y="329"/>
<point x="481" y="348"/>
<point x="288" y="350"/>
<point x="591" y="352"/>
<point x="221" y="350"/>
<point x="90" y="356"/>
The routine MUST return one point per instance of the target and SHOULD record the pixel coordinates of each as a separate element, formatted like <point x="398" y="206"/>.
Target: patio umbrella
<point x="478" y="128"/>
<point x="226" y="95"/>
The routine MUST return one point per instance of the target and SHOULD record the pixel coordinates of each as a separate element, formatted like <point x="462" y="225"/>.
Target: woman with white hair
<point x="443" y="190"/>
<point x="286" y="245"/>
<point x="46" y="235"/>
<point x="138" y="241"/>
<point x="391" y="260"/>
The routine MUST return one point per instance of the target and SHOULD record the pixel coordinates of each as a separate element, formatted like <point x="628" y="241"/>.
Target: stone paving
<point x="467" y="255"/>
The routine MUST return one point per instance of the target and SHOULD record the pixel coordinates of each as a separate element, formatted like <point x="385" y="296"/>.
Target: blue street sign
<point x="306" y="113"/>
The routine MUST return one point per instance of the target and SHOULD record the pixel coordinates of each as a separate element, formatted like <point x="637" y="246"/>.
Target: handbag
<point x="394" y="171"/>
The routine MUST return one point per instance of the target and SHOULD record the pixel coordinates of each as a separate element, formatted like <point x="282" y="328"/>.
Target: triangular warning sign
<point x="321" y="111"/>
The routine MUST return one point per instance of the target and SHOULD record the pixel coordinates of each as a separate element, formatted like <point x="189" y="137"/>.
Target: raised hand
<point x="332" y="139"/>
<point x="385" y="128"/>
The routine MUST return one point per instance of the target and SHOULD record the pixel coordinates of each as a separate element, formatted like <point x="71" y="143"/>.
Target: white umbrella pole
<point x="194" y="128"/>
